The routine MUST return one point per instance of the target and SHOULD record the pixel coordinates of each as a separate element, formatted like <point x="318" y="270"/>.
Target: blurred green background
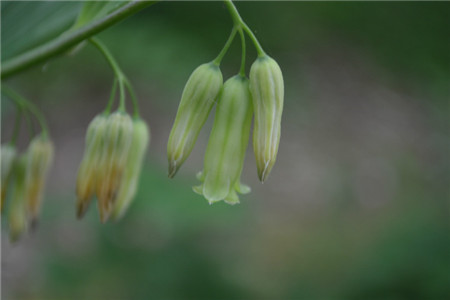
<point x="357" y="206"/>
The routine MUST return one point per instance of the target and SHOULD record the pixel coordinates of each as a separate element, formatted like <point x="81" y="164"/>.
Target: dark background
<point x="357" y="206"/>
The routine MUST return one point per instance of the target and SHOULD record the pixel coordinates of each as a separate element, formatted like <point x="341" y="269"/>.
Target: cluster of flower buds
<point x="25" y="175"/>
<point x="237" y="99"/>
<point x="115" y="150"/>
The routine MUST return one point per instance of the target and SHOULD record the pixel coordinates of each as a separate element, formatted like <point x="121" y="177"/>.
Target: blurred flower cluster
<point x="23" y="175"/>
<point x="115" y="149"/>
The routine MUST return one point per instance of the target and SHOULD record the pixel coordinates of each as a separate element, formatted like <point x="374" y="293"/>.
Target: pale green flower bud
<point x="228" y="141"/>
<point x="8" y="154"/>
<point x="117" y="141"/>
<point x="198" y="98"/>
<point x="39" y="158"/>
<point x="17" y="217"/>
<point x="130" y="178"/>
<point x="267" y="88"/>
<point x="88" y="172"/>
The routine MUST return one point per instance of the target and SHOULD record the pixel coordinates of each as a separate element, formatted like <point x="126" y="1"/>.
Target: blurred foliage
<point x="171" y="245"/>
<point x="27" y="24"/>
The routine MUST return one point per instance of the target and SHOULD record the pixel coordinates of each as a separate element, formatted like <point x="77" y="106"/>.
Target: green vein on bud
<point x="117" y="141"/>
<point x="17" y="219"/>
<point x="267" y="88"/>
<point x="8" y="155"/>
<point x="128" y="186"/>
<point x="197" y="100"/>
<point x="227" y="144"/>
<point x="39" y="159"/>
<point x="88" y="171"/>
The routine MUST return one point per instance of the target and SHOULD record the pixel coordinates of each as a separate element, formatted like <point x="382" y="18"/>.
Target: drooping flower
<point x="39" y="159"/>
<point x="114" y="153"/>
<point x="130" y="178"/>
<point x="88" y="171"/>
<point x="8" y="155"/>
<point x="197" y="100"/>
<point x="227" y="144"/>
<point x="17" y="215"/>
<point x="267" y="88"/>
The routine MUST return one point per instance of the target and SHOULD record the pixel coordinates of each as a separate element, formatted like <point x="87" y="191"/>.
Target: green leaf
<point x="28" y="24"/>
<point x="66" y="41"/>
<point x="94" y="10"/>
<point x="25" y="25"/>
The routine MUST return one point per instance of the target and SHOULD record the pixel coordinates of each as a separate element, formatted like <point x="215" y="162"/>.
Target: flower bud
<point x="17" y="218"/>
<point x="88" y="172"/>
<point x="117" y="141"/>
<point x="8" y="154"/>
<point x="130" y="178"/>
<point x="197" y="100"/>
<point x="39" y="158"/>
<point x="267" y="88"/>
<point x="227" y="144"/>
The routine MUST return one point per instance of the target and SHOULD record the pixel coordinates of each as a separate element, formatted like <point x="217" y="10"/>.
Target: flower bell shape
<point x="267" y="88"/>
<point x="116" y="145"/>
<point x="227" y="144"/>
<point x="39" y="159"/>
<point x="88" y="171"/>
<point x="17" y="215"/>
<point x="197" y="100"/>
<point x="8" y="154"/>
<point x="130" y="179"/>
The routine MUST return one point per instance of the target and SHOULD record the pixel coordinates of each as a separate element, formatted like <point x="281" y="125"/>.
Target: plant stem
<point x="119" y="76"/>
<point x="16" y="129"/>
<point x="27" y="105"/>
<point x="237" y="20"/>
<point x="242" y="71"/>
<point x="108" y="56"/>
<point x="29" y="122"/>
<point x="111" y="97"/>
<point x="133" y="98"/>
<point x="122" y="107"/>
<point x="224" y="50"/>
<point x="65" y="42"/>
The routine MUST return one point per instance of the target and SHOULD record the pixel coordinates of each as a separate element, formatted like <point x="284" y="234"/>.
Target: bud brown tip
<point x="264" y="173"/>
<point x="173" y="169"/>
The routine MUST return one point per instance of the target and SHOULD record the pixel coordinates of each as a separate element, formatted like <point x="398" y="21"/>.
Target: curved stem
<point x="119" y="76"/>
<point x="242" y="71"/>
<point x="108" y="56"/>
<point x="237" y="20"/>
<point x="27" y="105"/>
<point x="111" y="97"/>
<point x="16" y="129"/>
<point x="66" y="41"/>
<point x="224" y="50"/>
<point x="133" y="98"/>
<point x="122" y="107"/>
<point x="29" y="123"/>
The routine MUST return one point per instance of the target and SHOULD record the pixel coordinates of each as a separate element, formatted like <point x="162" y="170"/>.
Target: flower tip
<point x="103" y="218"/>
<point x="173" y="169"/>
<point x="34" y="223"/>
<point x="81" y="210"/>
<point x="232" y="202"/>
<point x="104" y="215"/>
<point x="264" y="173"/>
